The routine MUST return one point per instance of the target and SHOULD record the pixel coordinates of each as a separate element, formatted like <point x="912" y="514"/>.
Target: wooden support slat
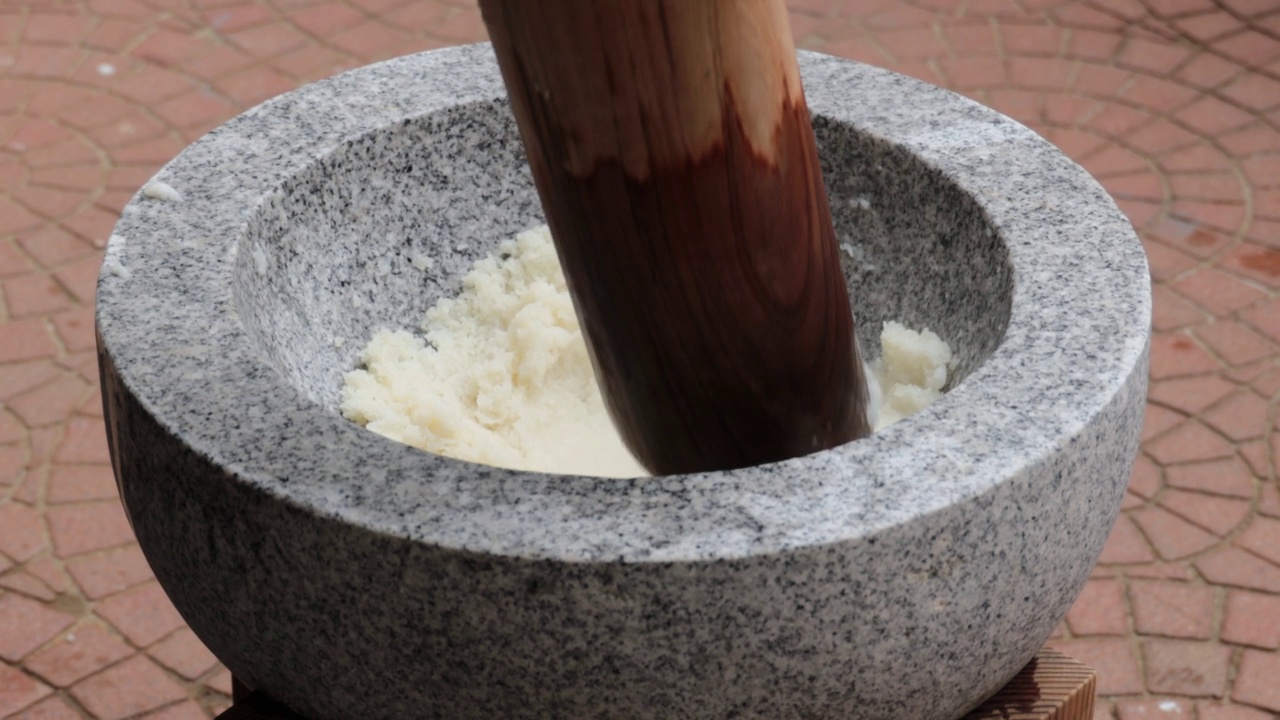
<point x="1051" y="687"/>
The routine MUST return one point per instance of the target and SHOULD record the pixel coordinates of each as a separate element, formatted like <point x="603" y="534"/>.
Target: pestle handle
<point x="672" y="149"/>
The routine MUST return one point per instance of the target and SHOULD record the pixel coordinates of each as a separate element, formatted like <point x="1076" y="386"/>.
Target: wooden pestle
<point x="672" y="150"/>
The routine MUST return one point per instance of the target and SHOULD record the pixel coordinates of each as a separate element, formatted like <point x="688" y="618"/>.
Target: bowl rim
<point x="1077" y="335"/>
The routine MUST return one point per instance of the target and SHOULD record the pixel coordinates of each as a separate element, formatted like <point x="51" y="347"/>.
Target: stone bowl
<point x="908" y="575"/>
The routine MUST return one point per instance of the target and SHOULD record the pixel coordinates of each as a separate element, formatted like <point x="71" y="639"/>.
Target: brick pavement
<point x="1173" y="104"/>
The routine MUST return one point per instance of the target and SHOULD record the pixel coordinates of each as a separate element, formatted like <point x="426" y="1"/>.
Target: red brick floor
<point x="1173" y="104"/>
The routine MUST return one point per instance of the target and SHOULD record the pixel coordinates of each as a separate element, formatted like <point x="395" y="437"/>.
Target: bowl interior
<point x="340" y="249"/>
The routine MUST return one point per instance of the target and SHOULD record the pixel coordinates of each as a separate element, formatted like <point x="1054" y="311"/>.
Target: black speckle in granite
<point x="908" y="575"/>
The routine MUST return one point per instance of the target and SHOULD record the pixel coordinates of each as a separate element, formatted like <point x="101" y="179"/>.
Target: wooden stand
<point x="1050" y="687"/>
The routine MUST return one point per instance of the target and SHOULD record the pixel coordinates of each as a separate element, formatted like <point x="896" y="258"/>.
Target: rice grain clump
<point x="161" y="191"/>
<point x="911" y="371"/>
<point x="503" y="377"/>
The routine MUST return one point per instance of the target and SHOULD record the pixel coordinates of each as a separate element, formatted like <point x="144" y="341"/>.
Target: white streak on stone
<point x="113" y="262"/>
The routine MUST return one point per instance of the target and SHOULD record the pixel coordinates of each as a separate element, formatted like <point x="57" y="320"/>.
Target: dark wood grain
<point x="673" y="153"/>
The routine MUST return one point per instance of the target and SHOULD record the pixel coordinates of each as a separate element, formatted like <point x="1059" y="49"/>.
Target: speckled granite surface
<point x="908" y="575"/>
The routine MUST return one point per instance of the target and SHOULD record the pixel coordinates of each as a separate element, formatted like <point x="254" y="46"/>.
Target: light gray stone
<point x="908" y="575"/>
